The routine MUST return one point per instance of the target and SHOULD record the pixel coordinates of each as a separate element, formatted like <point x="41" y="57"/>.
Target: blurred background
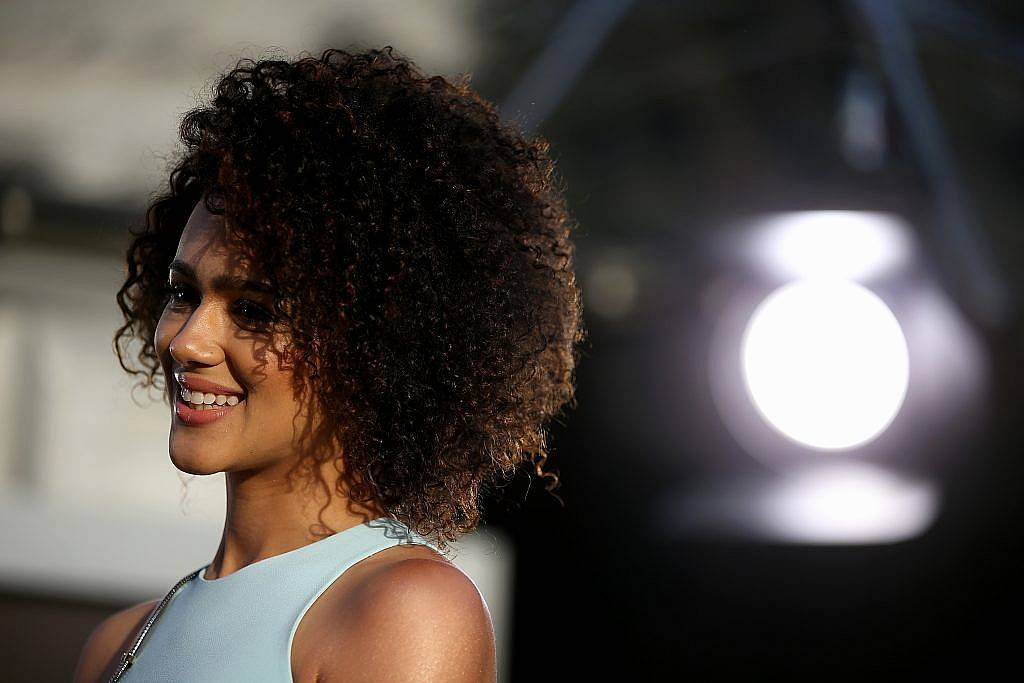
<point x="796" y="449"/>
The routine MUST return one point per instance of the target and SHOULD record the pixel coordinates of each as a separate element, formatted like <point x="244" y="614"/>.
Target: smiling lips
<point x="201" y="414"/>
<point x="200" y="401"/>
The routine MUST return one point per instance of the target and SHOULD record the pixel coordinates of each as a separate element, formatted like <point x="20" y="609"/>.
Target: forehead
<point x="203" y="236"/>
<point x="203" y="246"/>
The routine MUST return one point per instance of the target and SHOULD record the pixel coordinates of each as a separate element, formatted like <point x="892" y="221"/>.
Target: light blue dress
<point x="240" y="627"/>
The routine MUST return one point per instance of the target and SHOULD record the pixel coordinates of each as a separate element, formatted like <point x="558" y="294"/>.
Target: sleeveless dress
<point x="240" y="627"/>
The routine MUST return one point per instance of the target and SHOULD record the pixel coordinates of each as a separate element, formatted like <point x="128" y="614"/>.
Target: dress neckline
<point x="294" y="552"/>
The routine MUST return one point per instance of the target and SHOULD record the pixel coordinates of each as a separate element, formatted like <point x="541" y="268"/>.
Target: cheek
<point x="278" y="411"/>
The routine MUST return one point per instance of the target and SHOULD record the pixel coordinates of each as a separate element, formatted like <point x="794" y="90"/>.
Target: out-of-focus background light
<point x="855" y="245"/>
<point x="825" y="363"/>
<point x="849" y="503"/>
<point x="796" y="442"/>
<point x="834" y="360"/>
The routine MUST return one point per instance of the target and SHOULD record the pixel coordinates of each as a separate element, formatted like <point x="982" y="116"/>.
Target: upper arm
<point x="112" y="636"/>
<point x="419" y="620"/>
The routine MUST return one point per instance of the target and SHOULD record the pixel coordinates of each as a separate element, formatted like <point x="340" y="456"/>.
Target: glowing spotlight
<point x="825" y="363"/>
<point x="854" y="245"/>
<point x="849" y="503"/>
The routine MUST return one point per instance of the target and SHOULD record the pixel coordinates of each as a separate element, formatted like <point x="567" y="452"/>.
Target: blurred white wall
<point x="96" y="109"/>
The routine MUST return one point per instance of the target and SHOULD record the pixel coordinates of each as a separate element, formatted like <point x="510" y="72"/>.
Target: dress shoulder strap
<point x="129" y="655"/>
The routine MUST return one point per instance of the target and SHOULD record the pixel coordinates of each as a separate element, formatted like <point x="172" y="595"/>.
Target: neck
<point x="268" y="515"/>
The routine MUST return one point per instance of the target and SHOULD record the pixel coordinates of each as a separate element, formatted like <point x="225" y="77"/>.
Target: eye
<point x="174" y="291"/>
<point x="252" y="313"/>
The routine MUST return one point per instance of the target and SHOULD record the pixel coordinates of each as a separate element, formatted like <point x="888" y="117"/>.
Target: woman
<point x="358" y="297"/>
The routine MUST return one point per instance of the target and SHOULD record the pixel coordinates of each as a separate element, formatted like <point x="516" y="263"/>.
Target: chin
<point x="198" y="465"/>
<point x="196" y="458"/>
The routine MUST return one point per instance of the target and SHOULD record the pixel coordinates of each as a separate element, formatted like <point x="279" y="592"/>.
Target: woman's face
<point x="216" y="329"/>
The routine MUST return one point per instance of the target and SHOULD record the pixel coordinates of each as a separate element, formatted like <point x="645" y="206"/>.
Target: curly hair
<point x="420" y="253"/>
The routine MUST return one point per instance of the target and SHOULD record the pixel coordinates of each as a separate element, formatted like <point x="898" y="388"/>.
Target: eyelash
<point x="261" y="316"/>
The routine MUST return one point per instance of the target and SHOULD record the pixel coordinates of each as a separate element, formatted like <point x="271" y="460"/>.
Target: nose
<point x="198" y="340"/>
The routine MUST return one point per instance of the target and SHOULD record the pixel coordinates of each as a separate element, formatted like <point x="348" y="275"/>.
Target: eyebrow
<point x="223" y="282"/>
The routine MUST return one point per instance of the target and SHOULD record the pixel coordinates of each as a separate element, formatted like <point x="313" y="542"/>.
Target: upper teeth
<point x="198" y="397"/>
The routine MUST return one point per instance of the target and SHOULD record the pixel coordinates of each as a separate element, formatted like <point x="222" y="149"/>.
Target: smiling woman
<point x="209" y="324"/>
<point x="358" y="298"/>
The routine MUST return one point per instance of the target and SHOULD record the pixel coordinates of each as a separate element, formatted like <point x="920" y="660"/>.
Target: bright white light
<point x="825" y="363"/>
<point x="848" y="504"/>
<point x="852" y="245"/>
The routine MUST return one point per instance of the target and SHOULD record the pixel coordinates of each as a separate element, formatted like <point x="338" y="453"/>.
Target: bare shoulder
<point x="112" y="636"/>
<point x="413" y="618"/>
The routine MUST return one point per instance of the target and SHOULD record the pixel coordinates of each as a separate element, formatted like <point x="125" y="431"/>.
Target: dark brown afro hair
<point x="420" y="253"/>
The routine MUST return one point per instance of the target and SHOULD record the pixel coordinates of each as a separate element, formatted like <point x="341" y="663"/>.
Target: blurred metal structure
<point x="964" y="248"/>
<point x="565" y="55"/>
